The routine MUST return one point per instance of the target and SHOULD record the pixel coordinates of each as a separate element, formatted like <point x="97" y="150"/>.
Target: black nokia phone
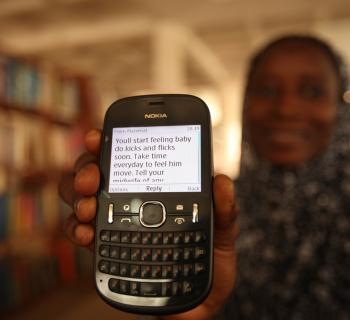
<point x="154" y="224"/>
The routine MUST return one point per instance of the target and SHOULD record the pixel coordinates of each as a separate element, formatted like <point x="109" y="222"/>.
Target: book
<point x="67" y="99"/>
<point x="39" y="137"/>
<point x="6" y="139"/>
<point x="3" y="216"/>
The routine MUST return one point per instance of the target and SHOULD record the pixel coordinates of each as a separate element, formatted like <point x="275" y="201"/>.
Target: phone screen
<point x="155" y="159"/>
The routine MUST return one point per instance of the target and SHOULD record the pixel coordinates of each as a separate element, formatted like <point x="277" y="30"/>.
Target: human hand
<point x="78" y="189"/>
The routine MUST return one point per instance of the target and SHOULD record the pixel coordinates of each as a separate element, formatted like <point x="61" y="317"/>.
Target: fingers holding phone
<point x="78" y="189"/>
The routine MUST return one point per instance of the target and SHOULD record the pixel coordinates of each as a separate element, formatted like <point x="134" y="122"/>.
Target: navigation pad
<point x="152" y="214"/>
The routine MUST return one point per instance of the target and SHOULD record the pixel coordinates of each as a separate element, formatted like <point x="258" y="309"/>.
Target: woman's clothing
<point x="294" y="244"/>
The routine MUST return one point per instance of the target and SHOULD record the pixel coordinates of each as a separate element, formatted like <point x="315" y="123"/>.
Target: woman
<point x="294" y="192"/>
<point x="294" y="186"/>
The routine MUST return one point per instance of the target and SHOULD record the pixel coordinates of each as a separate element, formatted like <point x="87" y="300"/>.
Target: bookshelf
<point x="44" y="113"/>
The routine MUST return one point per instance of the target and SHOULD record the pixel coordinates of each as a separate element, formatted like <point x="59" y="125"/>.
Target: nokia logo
<point x="155" y="115"/>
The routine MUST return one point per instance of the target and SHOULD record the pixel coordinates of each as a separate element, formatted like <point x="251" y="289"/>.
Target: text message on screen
<point x="156" y="159"/>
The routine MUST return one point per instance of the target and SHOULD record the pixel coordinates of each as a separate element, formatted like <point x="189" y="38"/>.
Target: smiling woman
<point x="294" y="186"/>
<point x="292" y="103"/>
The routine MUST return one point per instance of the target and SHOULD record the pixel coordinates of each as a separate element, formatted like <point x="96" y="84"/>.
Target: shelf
<point x="35" y="112"/>
<point x="28" y="244"/>
<point x="33" y="178"/>
<point x="39" y="140"/>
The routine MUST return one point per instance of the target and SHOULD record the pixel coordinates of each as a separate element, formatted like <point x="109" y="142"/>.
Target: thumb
<point x="225" y="213"/>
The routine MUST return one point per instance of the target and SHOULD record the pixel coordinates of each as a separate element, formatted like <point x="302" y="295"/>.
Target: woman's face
<point x="292" y="101"/>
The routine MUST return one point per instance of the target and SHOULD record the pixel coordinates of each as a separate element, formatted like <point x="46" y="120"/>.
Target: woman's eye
<point x="311" y="92"/>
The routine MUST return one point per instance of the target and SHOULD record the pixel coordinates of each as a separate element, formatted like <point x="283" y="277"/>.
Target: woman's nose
<point x="287" y="105"/>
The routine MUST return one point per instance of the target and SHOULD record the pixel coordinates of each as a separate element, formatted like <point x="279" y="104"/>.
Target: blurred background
<point x="63" y="62"/>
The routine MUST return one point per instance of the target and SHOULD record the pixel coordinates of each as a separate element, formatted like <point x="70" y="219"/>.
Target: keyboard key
<point x="178" y="237"/>
<point x="199" y="252"/>
<point x="125" y="253"/>
<point x="136" y="237"/>
<point x="114" y="268"/>
<point x="135" y="254"/>
<point x="146" y="237"/>
<point x="177" y="271"/>
<point x="156" y="272"/>
<point x="149" y="289"/>
<point x="178" y="254"/>
<point x="157" y="238"/>
<point x="135" y="271"/>
<point x="188" y="270"/>
<point x="156" y="254"/>
<point x="176" y="290"/>
<point x="115" y="236"/>
<point x="188" y="253"/>
<point x="145" y="272"/>
<point x="114" y="252"/>
<point x="124" y="270"/>
<point x="103" y="266"/>
<point x="104" y="251"/>
<point x="168" y="238"/>
<point x="189" y="237"/>
<point x="200" y="236"/>
<point x="124" y="287"/>
<point x="125" y="237"/>
<point x="167" y="289"/>
<point x="113" y="285"/>
<point x="199" y="268"/>
<point x="167" y="271"/>
<point x="167" y="254"/>
<point x="146" y="255"/>
<point x="187" y="287"/>
<point x="134" y="288"/>
<point x="105" y="235"/>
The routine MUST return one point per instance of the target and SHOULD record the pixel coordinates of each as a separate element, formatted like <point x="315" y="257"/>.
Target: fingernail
<point x="76" y="205"/>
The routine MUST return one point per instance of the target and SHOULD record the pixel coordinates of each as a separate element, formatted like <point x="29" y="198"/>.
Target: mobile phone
<point x="154" y="223"/>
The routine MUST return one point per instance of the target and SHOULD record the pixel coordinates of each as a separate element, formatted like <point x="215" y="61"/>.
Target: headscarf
<point x="294" y="244"/>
